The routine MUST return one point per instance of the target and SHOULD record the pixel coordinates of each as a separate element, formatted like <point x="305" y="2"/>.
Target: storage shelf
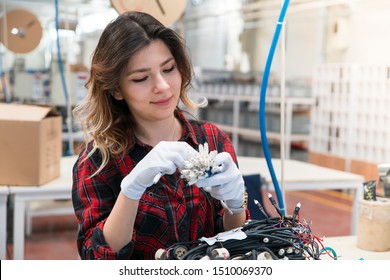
<point x="255" y="98"/>
<point x="237" y="126"/>
<point x="254" y="134"/>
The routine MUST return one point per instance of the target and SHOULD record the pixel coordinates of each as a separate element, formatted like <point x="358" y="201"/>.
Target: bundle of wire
<point x="273" y="238"/>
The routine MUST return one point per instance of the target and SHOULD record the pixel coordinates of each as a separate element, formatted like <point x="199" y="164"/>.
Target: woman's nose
<point x="160" y="84"/>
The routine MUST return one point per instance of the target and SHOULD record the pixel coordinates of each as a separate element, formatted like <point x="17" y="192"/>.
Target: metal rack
<point x="238" y="116"/>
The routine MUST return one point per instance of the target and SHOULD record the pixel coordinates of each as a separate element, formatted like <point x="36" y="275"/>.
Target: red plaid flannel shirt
<point x="169" y="212"/>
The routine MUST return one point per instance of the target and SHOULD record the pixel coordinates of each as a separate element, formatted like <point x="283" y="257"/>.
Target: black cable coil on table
<point x="276" y="238"/>
<point x="266" y="238"/>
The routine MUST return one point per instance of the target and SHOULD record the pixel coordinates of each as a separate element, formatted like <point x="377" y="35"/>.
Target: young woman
<point x="138" y="133"/>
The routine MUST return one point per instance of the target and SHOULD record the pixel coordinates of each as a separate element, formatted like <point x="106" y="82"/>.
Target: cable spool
<point x="22" y="29"/>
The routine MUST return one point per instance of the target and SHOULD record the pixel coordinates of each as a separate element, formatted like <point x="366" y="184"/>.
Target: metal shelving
<point x="238" y="116"/>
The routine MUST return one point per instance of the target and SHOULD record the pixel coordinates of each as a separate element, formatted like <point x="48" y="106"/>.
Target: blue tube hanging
<point x="59" y="58"/>
<point x="61" y="69"/>
<point x="263" y="90"/>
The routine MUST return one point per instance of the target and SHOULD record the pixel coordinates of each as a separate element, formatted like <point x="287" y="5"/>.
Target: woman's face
<point x="151" y="83"/>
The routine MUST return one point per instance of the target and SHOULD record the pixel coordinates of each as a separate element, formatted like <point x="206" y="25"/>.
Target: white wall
<point x="362" y="37"/>
<point x="212" y="32"/>
<point x="370" y="33"/>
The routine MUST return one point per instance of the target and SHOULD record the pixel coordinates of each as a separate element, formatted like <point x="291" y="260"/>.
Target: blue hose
<point x="59" y="59"/>
<point x="263" y="90"/>
<point x="61" y="69"/>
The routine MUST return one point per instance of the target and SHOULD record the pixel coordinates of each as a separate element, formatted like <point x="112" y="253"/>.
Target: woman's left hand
<point x="227" y="183"/>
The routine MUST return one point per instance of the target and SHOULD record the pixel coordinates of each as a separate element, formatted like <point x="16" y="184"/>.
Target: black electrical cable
<point x="278" y="238"/>
<point x="261" y="208"/>
<point x="274" y="204"/>
<point x="295" y="213"/>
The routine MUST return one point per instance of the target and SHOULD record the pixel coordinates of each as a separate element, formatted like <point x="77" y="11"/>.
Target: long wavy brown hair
<point x="103" y="118"/>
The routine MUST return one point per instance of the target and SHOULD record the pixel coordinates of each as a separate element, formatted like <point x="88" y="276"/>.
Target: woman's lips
<point x="163" y="102"/>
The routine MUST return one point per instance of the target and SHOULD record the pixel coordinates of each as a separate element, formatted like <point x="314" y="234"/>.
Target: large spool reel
<point x="20" y="30"/>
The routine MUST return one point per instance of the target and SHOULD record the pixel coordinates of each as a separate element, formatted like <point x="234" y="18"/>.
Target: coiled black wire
<point x="274" y="236"/>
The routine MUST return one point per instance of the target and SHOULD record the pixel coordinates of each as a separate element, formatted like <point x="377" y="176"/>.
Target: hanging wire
<point x="63" y="81"/>
<point x="263" y="90"/>
<point x="283" y="143"/>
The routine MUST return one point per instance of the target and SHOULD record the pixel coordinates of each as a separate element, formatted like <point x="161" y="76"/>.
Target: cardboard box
<point x="30" y="144"/>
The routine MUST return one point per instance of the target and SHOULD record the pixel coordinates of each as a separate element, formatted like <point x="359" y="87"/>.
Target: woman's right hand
<point x="164" y="158"/>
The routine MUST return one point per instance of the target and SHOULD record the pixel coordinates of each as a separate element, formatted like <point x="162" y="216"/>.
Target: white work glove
<point x="164" y="158"/>
<point x="226" y="184"/>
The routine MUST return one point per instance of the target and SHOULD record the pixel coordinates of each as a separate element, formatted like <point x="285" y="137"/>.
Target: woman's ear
<point x="117" y="95"/>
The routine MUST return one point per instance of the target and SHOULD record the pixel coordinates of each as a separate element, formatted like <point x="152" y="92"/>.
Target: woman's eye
<point x="170" y="69"/>
<point x="139" y="80"/>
